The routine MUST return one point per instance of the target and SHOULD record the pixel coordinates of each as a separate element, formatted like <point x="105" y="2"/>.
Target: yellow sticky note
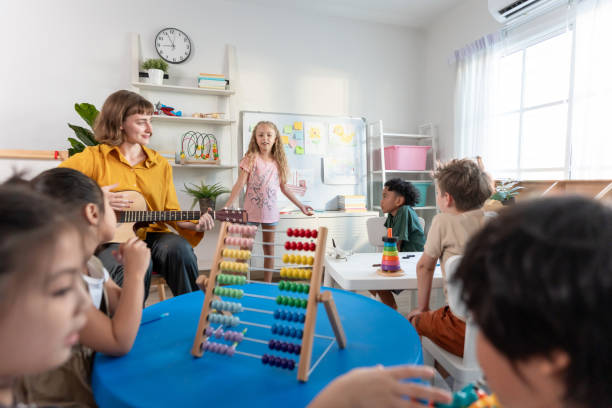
<point x="285" y="139"/>
<point x="297" y="125"/>
<point x="288" y="129"/>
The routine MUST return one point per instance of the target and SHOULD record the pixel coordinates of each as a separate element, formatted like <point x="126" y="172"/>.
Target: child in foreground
<point x="113" y="317"/>
<point x="42" y="298"/>
<point x="537" y="281"/>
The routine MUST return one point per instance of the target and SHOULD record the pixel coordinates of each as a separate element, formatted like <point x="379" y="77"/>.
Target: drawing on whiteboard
<point x="315" y="140"/>
<point x="341" y="134"/>
<point x="339" y="170"/>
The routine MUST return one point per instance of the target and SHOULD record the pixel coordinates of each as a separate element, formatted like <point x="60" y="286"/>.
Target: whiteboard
<point x="326" y="155"/>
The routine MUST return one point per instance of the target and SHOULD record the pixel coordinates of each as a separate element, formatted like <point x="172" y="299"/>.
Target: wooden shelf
<point x="189" y="119"/>
<point x="183" y="89"/>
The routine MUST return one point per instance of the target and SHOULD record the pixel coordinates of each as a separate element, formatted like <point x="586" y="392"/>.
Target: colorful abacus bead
<point x="289" y="232"/>
<point x="221" y="305"/>
<point x="228" y="292"/>
<point x="283" y="330"/>
<point x="284" y="346"/>
<point x="290" y="316"/>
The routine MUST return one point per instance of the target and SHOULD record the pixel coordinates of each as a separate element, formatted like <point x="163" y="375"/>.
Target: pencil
<point x="154" y="319"/>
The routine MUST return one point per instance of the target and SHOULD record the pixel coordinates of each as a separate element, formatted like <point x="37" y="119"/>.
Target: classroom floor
<point x="406" y="300"/>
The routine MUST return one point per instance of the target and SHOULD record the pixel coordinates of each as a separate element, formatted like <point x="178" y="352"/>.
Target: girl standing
<point x="264" y="170"/>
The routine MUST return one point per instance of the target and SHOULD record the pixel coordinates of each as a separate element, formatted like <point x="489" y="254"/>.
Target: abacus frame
<point x="315" y="296"/>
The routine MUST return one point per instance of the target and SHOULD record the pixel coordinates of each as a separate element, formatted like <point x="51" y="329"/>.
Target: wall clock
<point x="173" y="45"/>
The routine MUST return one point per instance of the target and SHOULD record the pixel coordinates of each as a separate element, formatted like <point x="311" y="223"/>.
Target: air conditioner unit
<point x="507" y="10"/>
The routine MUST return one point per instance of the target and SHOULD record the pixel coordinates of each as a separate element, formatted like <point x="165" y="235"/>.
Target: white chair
<point x="463" y="370"/>
<point x="376" y="230"/>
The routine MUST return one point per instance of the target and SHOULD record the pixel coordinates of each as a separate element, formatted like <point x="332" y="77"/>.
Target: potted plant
<point x="505" y="191"/>
<point x="205" y="194"/>
<point x="85" y="136"/>
<point x="155" y="67"/>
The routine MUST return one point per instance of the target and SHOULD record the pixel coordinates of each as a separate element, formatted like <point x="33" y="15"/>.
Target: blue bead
<point x="298" y="349"/>
<point x="292" y="332"/>
<point x="265" y="359"/>
<point x="271" y="344"/>
<point x="277" y="314"/>
<point x="300" y="334"/>
<point x="274" y="329"/>
<point x="284" y="363"/>
<point x="277" y="361"/>
<point x="302" y="317"/>
<point x="284" y="315"/>
<point x="283" y="346"/>
<point x="291" y="365"/>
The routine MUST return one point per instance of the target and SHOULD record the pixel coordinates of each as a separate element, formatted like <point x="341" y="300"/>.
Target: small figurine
<point x="390" y="265"/>
<point x="160" y="108"/>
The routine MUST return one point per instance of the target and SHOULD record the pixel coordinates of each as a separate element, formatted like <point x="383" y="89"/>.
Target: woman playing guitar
<point x="122" y="162"/>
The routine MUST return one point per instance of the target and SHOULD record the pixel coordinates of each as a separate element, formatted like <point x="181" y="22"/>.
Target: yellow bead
<point x="283" y="272"/>
<point x="311" y="260"/>
<point x="296" y="273"/>
<point x="286" y="258"/>
<point x="222" y="265"/>
<point x="247" y="254"/>
<point x="308" y="273"/>
<point x="245" y="268"/>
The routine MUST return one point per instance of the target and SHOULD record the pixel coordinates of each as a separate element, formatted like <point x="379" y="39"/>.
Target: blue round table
<point x="159" y="371"/>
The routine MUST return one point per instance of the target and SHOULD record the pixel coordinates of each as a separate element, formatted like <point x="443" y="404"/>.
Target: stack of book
<point x="352" y="203"/>
<point x="212" y="81"/>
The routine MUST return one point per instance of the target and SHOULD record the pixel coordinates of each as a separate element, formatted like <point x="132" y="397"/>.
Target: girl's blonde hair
<point x="277" y="151"/>
<point x="117" y="107"/>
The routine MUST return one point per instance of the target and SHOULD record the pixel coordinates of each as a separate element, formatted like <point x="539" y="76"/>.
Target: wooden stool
<point x="160" y="282"/>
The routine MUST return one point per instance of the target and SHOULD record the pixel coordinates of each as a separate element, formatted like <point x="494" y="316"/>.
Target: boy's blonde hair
<point x="117" y="107"/>
<point x="465" y="181"/>
<point x="278" y="152"/>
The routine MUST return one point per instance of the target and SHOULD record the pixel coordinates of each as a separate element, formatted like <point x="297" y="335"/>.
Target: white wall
<point x="56" y="53"/>
<point x="452" y="30"/>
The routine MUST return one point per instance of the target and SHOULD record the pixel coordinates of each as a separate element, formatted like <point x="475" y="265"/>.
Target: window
<point x="532" y="111"/>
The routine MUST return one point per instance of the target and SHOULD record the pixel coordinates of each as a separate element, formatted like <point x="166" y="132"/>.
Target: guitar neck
<point x="153" y="216"/>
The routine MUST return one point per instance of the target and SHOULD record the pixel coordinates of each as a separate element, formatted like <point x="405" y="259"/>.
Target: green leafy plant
<point x="506" y="190"/>
<point x="85" y="136"/>
<point x="155" y="63"/>
<point x="210" y="191"/>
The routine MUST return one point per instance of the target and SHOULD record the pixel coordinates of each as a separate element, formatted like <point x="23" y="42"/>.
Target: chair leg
<point x="161" y="289"/>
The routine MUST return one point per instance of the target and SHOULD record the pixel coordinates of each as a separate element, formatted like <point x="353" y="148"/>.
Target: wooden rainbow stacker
<point x="298" y="308"/>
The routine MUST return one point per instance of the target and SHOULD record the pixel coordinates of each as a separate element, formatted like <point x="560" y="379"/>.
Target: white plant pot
<point x="156" y="76"/>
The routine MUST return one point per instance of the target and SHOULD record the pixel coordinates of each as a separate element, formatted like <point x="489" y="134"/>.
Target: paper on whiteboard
<point x="339" y="170"/>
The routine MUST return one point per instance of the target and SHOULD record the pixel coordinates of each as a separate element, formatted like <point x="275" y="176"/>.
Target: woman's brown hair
<point x="117" y="107"/>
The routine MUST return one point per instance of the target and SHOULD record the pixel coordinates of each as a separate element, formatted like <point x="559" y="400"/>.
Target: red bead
<point x="302" y="232"/>
<point x="293" y="246"/>
<point x="313" y="246"/>
<point x="300" y="245"/>
<point x="287" y="245"/>
<point x="308" y="233"/>
<point x="289" y="232"/>
<point x="315" y="233"/>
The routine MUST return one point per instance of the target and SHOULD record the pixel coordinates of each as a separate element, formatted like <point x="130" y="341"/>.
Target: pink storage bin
<point x="399" y="157"/>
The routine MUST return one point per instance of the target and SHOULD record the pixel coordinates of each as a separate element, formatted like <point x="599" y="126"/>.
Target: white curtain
<point x="477" y="74"/>
<point x="591" y="155"/>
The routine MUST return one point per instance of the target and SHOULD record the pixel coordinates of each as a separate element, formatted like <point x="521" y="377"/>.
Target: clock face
<point x="173" y="45"/>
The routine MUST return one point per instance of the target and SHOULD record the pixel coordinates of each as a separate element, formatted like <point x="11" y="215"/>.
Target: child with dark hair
<point x="462" y="187"/>
<point x="42" y="299"/>
<point x="397" y="201"/>
<point x="113" y="315"/>
<point x="538" y="282"/>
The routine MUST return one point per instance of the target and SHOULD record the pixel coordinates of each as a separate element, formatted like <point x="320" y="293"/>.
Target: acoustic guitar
<point x="138" y="216"/>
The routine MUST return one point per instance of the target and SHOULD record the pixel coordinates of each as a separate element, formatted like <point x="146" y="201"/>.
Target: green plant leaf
<point x="87" y="111"/>
<point x="85" y="135"/>
<point x="77" y="147"/>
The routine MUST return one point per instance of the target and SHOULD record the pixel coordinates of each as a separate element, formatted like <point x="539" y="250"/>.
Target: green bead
<point x="281" y="285"/>
<point x="291" y="301"/>
<point x="240" y="293"/>
<point x="279" y="300"/>
<point x="304" y="303"/>
<point x="306" y="288"/>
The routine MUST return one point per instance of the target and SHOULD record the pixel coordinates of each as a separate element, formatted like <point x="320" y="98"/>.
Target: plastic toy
<point x="160" y="109"/>
<point x="471" y="397"/>
<point x="390" y="265"/>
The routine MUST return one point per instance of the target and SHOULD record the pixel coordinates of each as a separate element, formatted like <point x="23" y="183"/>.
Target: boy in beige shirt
<point x="462" y="187"/>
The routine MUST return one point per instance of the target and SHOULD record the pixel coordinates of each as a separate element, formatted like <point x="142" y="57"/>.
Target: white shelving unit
<point x="191" y="99"/>
<point x="377" y="140"/>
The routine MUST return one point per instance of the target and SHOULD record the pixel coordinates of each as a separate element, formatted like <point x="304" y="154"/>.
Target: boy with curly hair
<point x="397" y="201"/>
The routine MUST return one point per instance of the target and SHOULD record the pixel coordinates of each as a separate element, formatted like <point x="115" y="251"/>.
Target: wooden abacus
<point x="213" y="305"/>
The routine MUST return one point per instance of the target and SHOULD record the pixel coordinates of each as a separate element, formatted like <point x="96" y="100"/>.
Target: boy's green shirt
<point x="406" y="227"/>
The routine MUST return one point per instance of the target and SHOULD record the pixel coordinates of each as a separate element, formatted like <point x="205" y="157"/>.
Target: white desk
<point x="357" y="273"/>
